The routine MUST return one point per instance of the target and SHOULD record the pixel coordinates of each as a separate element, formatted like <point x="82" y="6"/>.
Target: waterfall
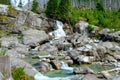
<point x="58" y="32"/>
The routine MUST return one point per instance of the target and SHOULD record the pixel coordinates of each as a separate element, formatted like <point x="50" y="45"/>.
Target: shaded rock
<point x="74" y="54"/>
<point x="81" y="27"/>
<point x="49" y="48"/>
<point x="34" y="36"/>
<point x="42" y="66"/>
<point x="90" y="77"/>
<point x="56" y="64"/>
<point x="110" y="58"/>
<point x="78" y="40"/>
<point x="117" y="56"/>
<point x="47" y="25"/>
<point x="84" y="70"/>
<point x="61" y="44"/>
<point x="109" y="35"/>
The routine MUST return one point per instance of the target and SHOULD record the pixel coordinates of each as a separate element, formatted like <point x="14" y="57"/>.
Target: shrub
<point x="19" y="74"/>
<point x="7" y="2"/>
<point x="12" y="10"/>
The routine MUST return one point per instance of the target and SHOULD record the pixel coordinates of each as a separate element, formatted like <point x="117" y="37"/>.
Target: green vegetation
<point x="59" y="9"/>
<point x="19" y="74"/>
<point x="2" y="52"/>
<point x="7" y="2"/>
<point x="34" y="6"/>
<point x="52" y="8"/>
<point x="3" y="17"/>
<point x="3" y="33"/>
<point x="98" y="16"/>
<point x="106" y="19"/>
<point x="65" y="9"/>
<point x="12" y="10"/>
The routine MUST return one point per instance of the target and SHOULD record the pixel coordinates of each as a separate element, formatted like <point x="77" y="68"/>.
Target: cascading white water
<point x="66" y="67"/>
<point x="40" y="76"/>
<point x="59" y="32"/>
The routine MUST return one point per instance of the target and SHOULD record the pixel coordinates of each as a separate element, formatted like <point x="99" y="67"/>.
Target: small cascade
<point x="58" y="32"/>
<point x="66" y="67"/>
<point x="40" y="76"/>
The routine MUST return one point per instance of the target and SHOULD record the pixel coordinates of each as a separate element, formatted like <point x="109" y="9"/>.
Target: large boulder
<point x="81" y="27"/>
<point x="9" y="42"/>
<point x="73" y="54"/>
<point x="47" y="25"/>
<point x="16" y="62"/>
<point x="33" y="36"/>
<point x="109" y="35"/>
<point x="61" y="44"/>
<point x="50" y="48"/>
<point x="33" y="21"/>
<point x="42" y="66"/>
<point x="79" y="40"/>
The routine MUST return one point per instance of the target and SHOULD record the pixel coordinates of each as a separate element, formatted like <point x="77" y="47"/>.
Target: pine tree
<point x="35" y="6"/>
<point x="65" y="8"/>
<point x="52" y="8"/>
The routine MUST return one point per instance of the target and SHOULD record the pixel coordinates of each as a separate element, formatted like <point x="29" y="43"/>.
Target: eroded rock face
<point x="34" y="36"/>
